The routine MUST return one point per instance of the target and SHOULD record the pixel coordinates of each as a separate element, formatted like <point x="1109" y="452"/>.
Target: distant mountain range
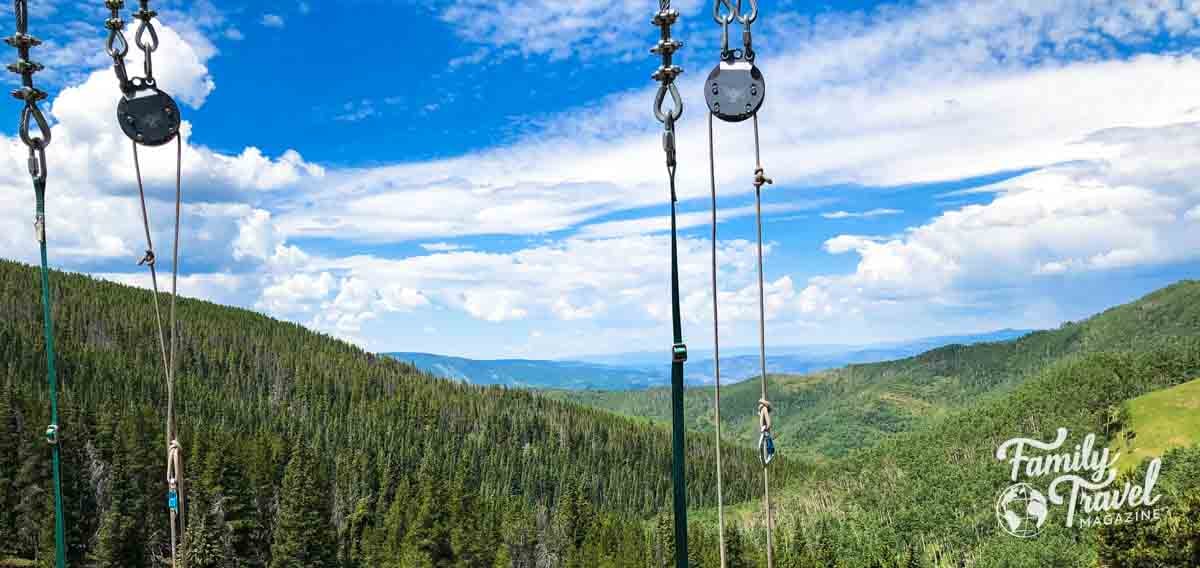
<point x="632" y="371"/>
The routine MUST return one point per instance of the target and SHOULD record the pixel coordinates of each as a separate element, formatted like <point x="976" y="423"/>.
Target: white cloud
<point x="651" y="225"/>
<point x="234" y="34"/>
<point x="272" y="21"/>
<point x="442" y="247"/>
<point x="861" y="214"/>
<point x="946" y="92"/>
<point x="951" y="90"/>
<point x="556" y="29"/>
<point x="1131" y="208"/>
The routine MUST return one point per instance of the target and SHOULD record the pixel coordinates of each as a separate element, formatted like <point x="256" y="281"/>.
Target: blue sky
<point x="485" y="179"/>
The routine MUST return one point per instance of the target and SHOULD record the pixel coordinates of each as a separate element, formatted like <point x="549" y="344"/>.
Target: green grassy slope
<point x="1158" y="422"/>
<point x="827" y="415"/>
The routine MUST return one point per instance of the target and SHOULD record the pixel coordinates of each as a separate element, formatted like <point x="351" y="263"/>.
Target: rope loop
<point x="676" y="111"/>
<point x="174" y="473"/>
<point x="726" y="16"/>
<point x="116" y="46"/>
<point x="32" y="114"/>
<point x="145" y="15"/>
<point x="742" y="16"/>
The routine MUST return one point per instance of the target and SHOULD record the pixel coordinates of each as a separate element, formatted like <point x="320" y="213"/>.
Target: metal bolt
<point x="129" y="118"/>
<point x="716" y="107"/>
<point x="754" y="90"/>
<point x="714" y="88"/>
<point x="748" y="107"/>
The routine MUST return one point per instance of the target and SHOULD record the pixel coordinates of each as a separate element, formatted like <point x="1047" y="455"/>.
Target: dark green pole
<point x="51" y="377"/>
<point x="678" y="356"/>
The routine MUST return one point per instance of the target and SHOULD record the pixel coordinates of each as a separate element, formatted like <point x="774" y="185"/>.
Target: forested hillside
<point x="827" y="415"/>
<point x="306" y="451"/>
<point x="927" y="497"/>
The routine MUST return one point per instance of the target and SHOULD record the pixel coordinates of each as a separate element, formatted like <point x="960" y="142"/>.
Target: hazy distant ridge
<point x="629" y="371"/>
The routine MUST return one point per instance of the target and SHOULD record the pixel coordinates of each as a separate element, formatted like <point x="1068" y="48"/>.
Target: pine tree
<point x="120" y="542"/>
<point x="470" y="529"/>
<point x="428" y="540"/>
<point x="303" y="537"/>
<point x="8" y="471"/>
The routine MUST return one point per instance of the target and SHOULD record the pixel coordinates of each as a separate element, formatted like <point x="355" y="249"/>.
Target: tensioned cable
<point x="712" y="171"/>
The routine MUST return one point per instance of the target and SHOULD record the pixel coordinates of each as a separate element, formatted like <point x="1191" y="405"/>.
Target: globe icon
<point x="1021" y="510"/>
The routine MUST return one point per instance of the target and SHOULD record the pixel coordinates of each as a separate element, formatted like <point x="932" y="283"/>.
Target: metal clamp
<point x="52" y="434"/>
<point x="679" y="353"/>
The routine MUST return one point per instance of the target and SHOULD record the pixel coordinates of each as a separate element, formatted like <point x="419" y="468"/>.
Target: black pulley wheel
<point x="735" y="90"/>
<point x="150" y="119"/>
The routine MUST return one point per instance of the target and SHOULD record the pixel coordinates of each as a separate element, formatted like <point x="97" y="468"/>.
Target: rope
<point x="766" y="445"/>
<point x="712" y="170"/>
<point x="169" y="359"/>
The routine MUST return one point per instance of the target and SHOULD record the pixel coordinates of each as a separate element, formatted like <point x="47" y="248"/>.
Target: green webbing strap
<point x="678" y="356"/>
<point x="665" y="75"/>
<point x="36" y="142"/>
<point x="60" y="546"/>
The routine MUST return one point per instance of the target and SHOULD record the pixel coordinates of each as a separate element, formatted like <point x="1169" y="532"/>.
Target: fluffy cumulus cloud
<point x="1129" y="207"/>
<point x="94" y="215"/>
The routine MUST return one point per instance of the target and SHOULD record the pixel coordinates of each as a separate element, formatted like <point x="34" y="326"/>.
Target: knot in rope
<point x="760" y="179"/>
<point x="766" y="444"/>
<point x="174" y="467"/>
<point x="147" y="260"/>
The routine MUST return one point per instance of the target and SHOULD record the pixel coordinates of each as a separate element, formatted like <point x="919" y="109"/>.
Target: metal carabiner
<point x="661" y="97"/>
<point x="37" y="168"/>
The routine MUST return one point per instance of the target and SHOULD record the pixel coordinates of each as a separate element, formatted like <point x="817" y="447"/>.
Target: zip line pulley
<point x="150" y="117"/>
<point x="734" y="92"/>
